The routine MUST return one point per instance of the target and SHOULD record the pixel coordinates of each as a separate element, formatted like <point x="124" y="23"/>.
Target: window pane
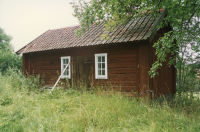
<point x="64" y="67"/>
<point x="63" y="61"/>
<point x="67" y="61"/>
<point x="99" y="72"/>
<point x="65" y="73"/>
<point x="99" y="65"/>
<point x="103" y="72"/>
<point x="103" y="65"/>
<point x="103" y="58"/>
<point x="99" y="59"/>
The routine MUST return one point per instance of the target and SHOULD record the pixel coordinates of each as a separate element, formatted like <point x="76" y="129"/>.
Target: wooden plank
<point x="45" y="62"/>
<point x="60" y="77"/>
<point x="46" y="72"/>
<point x="131" y="54"/>
<point x="116" y="71"/>
<point x="122" y="77"/>
<point x="122" y="65"/>
<point x="29" y="64"/>
<point x="121" y="60"/>
<point x="24" y="63"/>
<point x="162" y="83"/>
<point x="131" y="81"/>
<point x="173" y="80"/>
<point x="144" y="77"/>
<point x="43" y="67"/>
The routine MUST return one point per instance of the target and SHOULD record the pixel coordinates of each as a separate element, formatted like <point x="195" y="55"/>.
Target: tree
<point x="183" y="42"/>
<point x="7" y="56"/>
<point x="5" y="41"/>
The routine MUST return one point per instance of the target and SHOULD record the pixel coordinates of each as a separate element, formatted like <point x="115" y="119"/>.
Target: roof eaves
<point x="23" y="49"/>
<point x="20" y="50"/>
<point x="156" y="23"/>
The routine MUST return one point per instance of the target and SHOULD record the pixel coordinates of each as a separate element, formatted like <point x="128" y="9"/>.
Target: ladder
<point x="60" y="77"/>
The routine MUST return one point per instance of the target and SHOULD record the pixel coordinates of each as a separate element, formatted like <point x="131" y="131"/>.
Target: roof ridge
<point x="66" y="27"/>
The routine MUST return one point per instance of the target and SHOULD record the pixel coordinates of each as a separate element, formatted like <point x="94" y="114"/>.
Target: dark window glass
<point x="103" y="65"/>
<point x="103" y="58"/>
<point x="103" y="72"/>
<point x="99" y="59"/>
<point x="99" y="65"/>
<point x="99" y="72"/>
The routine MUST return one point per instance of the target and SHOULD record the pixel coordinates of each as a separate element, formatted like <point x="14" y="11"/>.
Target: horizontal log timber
<point x="44" y="62"/>
<point x="112" y="72"/>
<point x="122" y="65"/>
<point x="46" y="72"/>
<point x="117" y="60"/>
<point x="123" y="55"/>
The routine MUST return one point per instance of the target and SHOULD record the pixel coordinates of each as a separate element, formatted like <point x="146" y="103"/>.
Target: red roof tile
<point x="135" y="30"/>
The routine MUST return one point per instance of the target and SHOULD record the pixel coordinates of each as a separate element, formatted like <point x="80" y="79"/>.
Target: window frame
<point x="69" y="60"/>
<point x="96" y="66"/>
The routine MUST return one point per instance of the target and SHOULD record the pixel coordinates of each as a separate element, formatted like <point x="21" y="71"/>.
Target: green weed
<point x="25" y="109"/>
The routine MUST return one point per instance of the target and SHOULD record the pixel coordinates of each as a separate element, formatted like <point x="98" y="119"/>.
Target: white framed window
<point x="64" y="61"/>
<point x="101" y="71"/>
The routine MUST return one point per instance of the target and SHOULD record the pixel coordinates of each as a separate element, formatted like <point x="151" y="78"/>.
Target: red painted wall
<point x="122" y="64"/>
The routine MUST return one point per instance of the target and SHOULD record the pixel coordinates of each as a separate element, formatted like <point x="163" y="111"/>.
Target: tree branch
<point x="192" y="14"/>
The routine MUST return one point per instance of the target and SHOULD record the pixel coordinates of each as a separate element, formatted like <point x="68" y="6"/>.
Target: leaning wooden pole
<point x="60" y="77"/>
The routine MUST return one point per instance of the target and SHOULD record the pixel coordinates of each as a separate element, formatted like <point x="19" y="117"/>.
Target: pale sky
<point x="25" y="20"/>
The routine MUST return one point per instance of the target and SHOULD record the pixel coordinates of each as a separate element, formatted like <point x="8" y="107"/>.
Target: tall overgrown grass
<point x="24" y="108"/>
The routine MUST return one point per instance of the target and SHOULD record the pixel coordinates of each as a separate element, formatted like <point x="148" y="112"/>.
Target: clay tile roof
<point x="143" y="28"/>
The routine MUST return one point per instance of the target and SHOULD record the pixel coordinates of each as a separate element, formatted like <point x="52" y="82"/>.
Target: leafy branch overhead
<point x="183" y="16"/>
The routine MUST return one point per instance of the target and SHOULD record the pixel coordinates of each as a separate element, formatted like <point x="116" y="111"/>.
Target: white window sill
<point x="101" y="78"/>
<point x="65" y="78"/>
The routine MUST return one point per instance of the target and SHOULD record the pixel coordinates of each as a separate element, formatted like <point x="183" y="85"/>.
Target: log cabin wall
<point x="143" y="68"/>
<point x="165" y="82"/>
<point x="26" y="64"/>
<point x="122" y="60"/>
<point x="128" y="66"/>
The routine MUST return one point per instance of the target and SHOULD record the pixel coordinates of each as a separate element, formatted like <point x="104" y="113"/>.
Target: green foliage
<point x="7" y="57"/>
<point x="113" y="12"/>
<point x="188" y="77"/>
<point x="194" y="68"/>
<point x="164" y="46"/>
<point x="70" y="110"/>
<point x="4" y="41"/>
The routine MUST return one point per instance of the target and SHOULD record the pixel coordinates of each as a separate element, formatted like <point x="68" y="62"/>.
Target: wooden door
<point x="82" y="71"/>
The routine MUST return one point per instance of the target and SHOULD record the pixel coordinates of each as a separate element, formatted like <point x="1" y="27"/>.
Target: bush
<point x="9" y="59"/>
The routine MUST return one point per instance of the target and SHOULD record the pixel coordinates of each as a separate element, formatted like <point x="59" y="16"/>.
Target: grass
<point x="24" y="108"/>
<point x="196" y="95"/>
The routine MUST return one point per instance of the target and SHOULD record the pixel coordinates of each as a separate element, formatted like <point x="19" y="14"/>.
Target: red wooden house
<point x="123" y="61"/>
